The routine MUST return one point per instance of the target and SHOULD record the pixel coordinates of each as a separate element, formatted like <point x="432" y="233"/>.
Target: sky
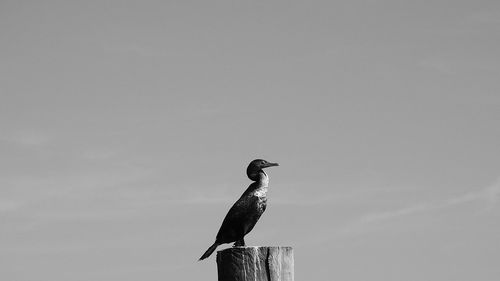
<point x="126" y="128"/>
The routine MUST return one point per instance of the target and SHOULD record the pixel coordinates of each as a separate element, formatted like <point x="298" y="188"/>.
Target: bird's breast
<point x="260" y="192"/>
<point x="260" y="195"/>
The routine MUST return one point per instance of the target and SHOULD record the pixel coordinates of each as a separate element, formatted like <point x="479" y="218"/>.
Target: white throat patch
<point x="264" y="183"/>
<point x="261" y="192"/>
<point x="264" y="180"/>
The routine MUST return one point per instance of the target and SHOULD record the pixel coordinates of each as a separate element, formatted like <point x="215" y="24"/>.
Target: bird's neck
<point x="259" y="186"/>
<point x="263" y="179"/>
<point x="258" y="176"/>
<point x="262" y="185"/>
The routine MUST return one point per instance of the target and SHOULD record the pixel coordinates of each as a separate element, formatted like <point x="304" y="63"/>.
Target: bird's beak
<point x="271" y="165"/>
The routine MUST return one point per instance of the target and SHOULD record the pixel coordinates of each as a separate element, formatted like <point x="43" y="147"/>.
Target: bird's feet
<point x="239" y="243"/>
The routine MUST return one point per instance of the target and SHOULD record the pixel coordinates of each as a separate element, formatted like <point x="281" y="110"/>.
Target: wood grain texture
<point x="255" y="264"/>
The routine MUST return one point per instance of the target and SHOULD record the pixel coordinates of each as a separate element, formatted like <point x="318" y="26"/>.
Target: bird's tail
<point x="210" y="250"/>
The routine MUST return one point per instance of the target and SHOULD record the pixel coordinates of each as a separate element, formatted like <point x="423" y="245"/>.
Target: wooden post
<point x="255" y="264"/>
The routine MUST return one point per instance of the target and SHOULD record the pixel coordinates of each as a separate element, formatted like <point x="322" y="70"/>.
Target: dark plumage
<point x="245" y="212"/>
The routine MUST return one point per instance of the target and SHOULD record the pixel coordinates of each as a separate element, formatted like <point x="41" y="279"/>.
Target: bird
<point x="246" y="211"/>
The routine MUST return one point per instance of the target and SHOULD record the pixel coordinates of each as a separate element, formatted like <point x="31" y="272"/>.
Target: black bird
<point x="245" y="212"/>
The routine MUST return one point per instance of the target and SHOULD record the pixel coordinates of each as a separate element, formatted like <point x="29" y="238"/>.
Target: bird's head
<point x="255" y="168"/>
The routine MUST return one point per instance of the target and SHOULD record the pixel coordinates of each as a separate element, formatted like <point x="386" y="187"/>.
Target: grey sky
<point x="126" y="126"/>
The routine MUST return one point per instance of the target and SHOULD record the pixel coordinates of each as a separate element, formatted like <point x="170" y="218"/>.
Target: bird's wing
<point x="235" y="223"/>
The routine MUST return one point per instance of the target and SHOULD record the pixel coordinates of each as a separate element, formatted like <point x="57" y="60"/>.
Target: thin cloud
<point x="221" y="194"/>
<point x="438" y="65"/>
<point x="27" y="138"/>
<point x="139" y="50"/>
<point x="206" y="200"/>
<point x="493" y="192"/>
<point x="484" y="17"/>
<point x="38" y="194"/>
<point x="99" y="154"/>
<point x="326" y="195"/>
<point x="490" y="195"/>
<point x="8" y="205"/>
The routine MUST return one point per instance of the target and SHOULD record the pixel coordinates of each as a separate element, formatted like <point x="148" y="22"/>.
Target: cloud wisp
<point x="28" y="138"/>
<point x="490" y="195"/>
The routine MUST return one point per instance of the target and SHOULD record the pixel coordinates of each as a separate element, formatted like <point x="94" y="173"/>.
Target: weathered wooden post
<point x="255" y="264"/>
